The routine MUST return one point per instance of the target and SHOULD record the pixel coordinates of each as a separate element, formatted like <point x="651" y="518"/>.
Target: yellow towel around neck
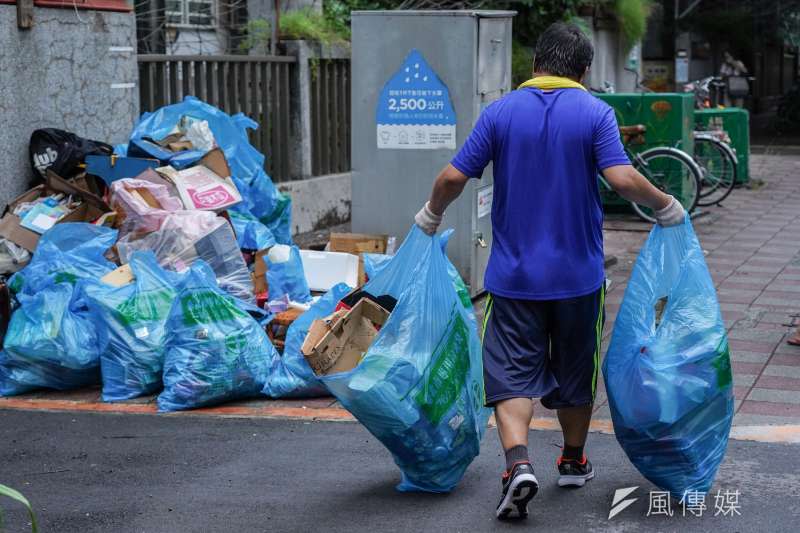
<point x="548" y="83"/>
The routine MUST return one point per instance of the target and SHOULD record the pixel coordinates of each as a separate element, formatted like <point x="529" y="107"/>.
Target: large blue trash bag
<point x="291" y="377"/>
<point x="131" y="322"/>
<point x="670" y="385"/>
<point x="216" y="351"/>
<point x="419" y="387"/>
<point x="66" y="253"/>
<point x="260" y="197"/>
<point x="250" y="233"/>
<point x="285" y="274"/>
<point x="51" y="341"/>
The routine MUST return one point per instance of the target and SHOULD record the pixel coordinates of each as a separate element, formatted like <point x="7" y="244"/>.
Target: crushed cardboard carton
<point x="88" y="208"/>
<point x="338" y="343"/>
<point x="206" y="186"/>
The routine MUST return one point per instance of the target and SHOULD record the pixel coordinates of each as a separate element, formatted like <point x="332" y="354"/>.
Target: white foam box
<point x="323" y="270"/>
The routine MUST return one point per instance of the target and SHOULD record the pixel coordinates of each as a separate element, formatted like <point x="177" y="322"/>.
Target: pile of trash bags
<point x="667" y="370"/>
<point x="159" y="270"/>
<point x="136" y="270"/>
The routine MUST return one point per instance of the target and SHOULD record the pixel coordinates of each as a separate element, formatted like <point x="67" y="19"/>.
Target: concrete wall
<point x="610" y="58"/>
<point x="318" y="203"/>
<point x="74" y="71"/>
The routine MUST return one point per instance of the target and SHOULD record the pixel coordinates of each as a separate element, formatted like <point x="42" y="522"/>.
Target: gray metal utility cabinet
<point x="419" y="82"/>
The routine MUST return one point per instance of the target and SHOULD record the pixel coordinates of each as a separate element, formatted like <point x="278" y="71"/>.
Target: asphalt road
<point x="142" y="473"/>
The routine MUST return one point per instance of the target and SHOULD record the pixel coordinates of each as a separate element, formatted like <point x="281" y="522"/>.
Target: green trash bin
<point x="735" y="121"/>
<point x="668" y="117"/>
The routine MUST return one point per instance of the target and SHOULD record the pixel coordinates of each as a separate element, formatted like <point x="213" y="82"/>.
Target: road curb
<point x="780" y="434"/>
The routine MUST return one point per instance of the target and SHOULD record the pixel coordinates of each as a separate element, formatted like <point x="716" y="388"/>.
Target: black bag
<point x="61" y="151"/>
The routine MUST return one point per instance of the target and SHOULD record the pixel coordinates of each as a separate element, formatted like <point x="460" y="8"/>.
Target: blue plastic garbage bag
<point x="260" y="197"/>
<point x="215" y="350"/>
<point x="419" y="387"/>
<point x="291" y="377"/>
<point x="669" y="384"/>
<point x="131" y="322"/>
<point x="285" y="274"/>
<point x="66" y="253"/>
<point x="50" y="343"/>
<point x="250" y="233"/>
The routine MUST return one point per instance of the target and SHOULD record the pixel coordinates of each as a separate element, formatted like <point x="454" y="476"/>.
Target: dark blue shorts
<point x="548" y="349"/>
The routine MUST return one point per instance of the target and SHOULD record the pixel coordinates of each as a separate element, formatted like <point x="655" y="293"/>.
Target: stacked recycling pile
<point x="142" y="269"/>
<point x="159" y="269"/>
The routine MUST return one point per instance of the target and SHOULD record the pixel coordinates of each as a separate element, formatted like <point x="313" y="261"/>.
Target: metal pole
<point x="276" y="21"/>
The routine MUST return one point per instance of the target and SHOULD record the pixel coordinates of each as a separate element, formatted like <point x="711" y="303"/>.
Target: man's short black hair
<point x="563" y="50"/>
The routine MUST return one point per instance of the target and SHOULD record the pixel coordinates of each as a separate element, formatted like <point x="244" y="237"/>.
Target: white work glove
<point x="672" y="215"/>
<point x="427" y="220"/>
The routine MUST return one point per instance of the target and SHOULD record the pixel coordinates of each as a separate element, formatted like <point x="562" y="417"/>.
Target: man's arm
<point x="469" y="162"/>
<point x="634" y="187"/>
<point x="448" y="186"/>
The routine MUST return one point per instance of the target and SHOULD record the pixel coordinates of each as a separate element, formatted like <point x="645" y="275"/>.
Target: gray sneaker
<point x="519" y="488"/>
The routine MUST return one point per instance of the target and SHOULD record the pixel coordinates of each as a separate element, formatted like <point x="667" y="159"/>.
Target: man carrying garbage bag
<point x="544" y="313"/>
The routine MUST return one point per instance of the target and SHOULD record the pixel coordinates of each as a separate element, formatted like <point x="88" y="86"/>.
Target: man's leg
<point x="575" y="426"/>
<point x="513" y="424"/>
<point x="575" y="361"/>
<point x="515" y="352"/>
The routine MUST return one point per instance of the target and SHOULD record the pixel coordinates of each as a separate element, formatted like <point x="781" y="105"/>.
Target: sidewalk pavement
<point x="753" y="252"/>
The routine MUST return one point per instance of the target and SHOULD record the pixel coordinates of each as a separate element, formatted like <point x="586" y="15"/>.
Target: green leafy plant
<point x="258" y="32"/>
<point x="16" y="495"/>
<point x="312" y="26"/>
<point x="632" y="17"/>
<point x="303" y="24"/>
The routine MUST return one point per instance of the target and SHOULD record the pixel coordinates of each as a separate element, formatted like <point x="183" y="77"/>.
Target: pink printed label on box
<point x="211" y="198"/>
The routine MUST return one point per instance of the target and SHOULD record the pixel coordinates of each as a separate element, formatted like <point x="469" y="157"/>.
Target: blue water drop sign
<point x="414" y="109"/>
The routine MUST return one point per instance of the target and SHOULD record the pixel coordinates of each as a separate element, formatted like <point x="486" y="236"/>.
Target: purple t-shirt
<point x="547" y="217"/>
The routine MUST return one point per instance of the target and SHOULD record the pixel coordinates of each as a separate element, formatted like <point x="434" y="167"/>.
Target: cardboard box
<point x="91" y="209"/>
<point x="338" y="343"/>
<point x="358" y="243"/>
<point x="205" y="186"/>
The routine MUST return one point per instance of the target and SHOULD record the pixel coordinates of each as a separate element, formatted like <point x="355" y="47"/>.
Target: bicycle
<point x="712" y="150"/>
<point x="670" y="170"/>
<point x="719" y="164"/>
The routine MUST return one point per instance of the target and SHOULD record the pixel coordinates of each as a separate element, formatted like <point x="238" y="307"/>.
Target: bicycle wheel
<point x="671" y="171"/>
<point x="718" y="163"/>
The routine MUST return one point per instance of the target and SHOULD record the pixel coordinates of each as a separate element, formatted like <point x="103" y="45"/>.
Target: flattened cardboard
<point x="120" y="276"/>
<point x="112" y="168"/>
<point x="338" y="343"/>
<point x="260" y="273"/>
